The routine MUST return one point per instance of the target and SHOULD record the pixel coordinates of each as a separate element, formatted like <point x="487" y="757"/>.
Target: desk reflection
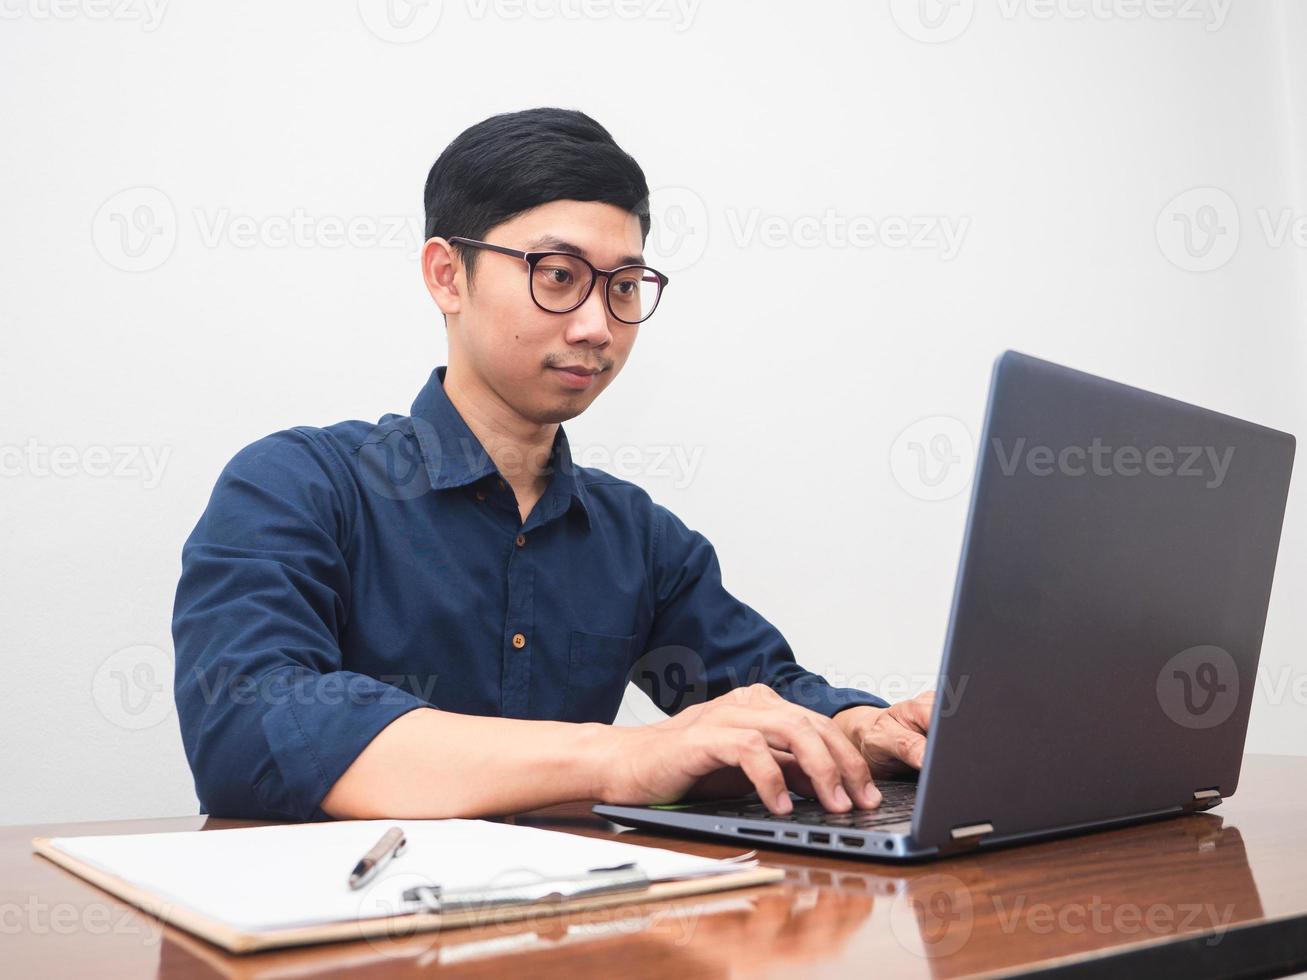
<point x="1068" y="898"/>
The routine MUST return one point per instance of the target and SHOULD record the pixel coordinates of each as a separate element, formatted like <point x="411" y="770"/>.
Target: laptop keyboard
<point x="898" y="799"/>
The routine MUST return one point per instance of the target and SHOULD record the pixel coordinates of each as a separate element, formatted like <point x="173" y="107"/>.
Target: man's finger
<point x="916" y="712"/>
<point x="795" y="777"/>
<point x="749" y="751"/>
<point x="857" y="774"/>
<point x="829" y="770"/>
<point x="912" y="750"/>
<point x="889" y="744"/>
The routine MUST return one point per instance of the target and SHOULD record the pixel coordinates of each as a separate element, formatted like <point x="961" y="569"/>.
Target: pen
<point x="544" y="889"/>
<point x="391" y="845"/>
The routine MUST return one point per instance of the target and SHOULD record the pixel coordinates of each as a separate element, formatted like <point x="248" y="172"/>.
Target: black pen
<point x="391" y="845"/>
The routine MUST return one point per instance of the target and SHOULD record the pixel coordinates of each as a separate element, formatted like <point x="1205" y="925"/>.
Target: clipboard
<point x="240" y="940"/>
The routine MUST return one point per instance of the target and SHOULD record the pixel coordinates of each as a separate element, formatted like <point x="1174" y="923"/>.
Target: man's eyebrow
<point x="552" y="243"/>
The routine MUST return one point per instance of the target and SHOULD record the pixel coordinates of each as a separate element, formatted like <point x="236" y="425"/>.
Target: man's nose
<point x="589" y="321"/>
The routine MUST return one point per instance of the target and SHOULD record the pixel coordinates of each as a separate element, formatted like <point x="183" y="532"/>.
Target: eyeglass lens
<point x="559" y="283"/>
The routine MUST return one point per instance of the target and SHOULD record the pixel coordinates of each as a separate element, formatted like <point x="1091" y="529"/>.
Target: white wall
<point x="1055" y="144"/>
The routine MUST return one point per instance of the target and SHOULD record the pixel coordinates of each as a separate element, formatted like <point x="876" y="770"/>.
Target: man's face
<point x="519" y="350"/>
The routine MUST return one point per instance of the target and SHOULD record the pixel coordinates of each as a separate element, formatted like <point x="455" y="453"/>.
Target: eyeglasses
<point x="560" y="282"/>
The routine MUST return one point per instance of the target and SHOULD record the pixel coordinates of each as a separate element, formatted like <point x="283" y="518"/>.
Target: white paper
<point x="265" y="878"/>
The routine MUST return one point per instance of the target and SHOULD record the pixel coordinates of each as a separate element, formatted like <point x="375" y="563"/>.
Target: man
<point x="437" y="615"/>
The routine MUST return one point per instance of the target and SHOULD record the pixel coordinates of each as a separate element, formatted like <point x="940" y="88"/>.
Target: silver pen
<point x="391" y="845"/>
<point x="543" y="889"/>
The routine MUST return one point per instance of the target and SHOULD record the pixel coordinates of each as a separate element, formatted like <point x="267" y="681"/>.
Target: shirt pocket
<point x="598" y="665"/>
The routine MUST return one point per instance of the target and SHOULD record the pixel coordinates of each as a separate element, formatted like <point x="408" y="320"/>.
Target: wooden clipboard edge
<point x="392" y="926"/>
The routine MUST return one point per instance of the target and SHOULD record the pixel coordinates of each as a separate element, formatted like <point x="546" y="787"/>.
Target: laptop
<point x="1102" y="647"/>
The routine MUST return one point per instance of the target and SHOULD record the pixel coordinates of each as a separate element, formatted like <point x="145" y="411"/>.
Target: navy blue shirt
<point x="342" y="576"/>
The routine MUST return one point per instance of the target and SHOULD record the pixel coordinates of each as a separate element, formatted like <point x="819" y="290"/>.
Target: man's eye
<point x="557" y="275"/>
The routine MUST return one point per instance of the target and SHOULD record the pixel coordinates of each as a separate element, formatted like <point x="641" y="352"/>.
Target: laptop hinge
<point x="970" y="833"/>
<point x="1204" y="799"/>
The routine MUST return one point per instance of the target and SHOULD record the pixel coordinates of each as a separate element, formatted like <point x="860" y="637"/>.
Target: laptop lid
<point x="1109" y="607"/>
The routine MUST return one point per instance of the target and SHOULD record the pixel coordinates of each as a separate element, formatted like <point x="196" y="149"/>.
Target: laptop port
<point x="853" y="842"/>
<point x="756" y="832"/>
<point x="816" y="838"/>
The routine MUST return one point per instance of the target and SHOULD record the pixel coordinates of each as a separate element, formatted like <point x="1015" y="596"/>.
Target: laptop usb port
<point x="756" y="832"/>
<point x="853" y="842"/>
<point x="816" y="838"/>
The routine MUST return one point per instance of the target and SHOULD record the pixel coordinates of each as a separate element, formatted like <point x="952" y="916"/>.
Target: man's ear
<point x="442" y="272"/>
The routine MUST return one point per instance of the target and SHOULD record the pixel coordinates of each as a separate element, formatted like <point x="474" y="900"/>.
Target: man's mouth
<point x="575" y="376"/>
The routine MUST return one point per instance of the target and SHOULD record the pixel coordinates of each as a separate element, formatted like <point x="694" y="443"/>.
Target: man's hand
<point x="748" y="737"/>
<point x="892" y="740"/>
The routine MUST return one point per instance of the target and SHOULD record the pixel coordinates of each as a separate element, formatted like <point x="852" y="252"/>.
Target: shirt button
<point x="519" y="641"/>
<point x="521" y="540"/>
<point x="481" y="495"/>
<point x="501" y="484"/>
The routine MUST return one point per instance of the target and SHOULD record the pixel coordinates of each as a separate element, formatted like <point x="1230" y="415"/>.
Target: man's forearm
<point x="430" y="764"/>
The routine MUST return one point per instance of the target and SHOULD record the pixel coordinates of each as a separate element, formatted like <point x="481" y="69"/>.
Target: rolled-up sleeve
<point x="728" y="643"/>
<point x="270" y="719"/>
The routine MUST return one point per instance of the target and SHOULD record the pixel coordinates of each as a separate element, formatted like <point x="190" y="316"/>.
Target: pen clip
<point x="543" y="890"/>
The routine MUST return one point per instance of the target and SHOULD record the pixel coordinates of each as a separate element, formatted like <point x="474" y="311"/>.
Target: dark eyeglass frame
<point x="533" y="258"/>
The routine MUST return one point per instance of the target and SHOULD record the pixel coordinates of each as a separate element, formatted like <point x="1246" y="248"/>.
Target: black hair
<point x="515" y="161"/>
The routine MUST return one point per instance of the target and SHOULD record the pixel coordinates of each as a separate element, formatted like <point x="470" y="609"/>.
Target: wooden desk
<point x="1219" y="893"/>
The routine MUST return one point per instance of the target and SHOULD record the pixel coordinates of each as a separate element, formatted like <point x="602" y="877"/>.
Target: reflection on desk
<point x="1201" y="895"/>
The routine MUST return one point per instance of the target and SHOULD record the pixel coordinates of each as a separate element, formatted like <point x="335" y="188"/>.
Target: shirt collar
<point x="454" y="456"/>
